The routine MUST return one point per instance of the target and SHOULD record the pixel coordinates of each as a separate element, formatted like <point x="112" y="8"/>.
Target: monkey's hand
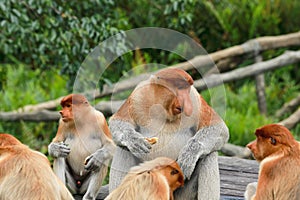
<point x="97" y="159"/>
<point x="136" y="144"/>
<point x="250" y="190"/>
<point x="58" y="149"/>
<point x="124" y="135"/>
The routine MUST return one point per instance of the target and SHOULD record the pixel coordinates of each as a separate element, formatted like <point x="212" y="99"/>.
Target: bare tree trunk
<point x="260" y="89"/>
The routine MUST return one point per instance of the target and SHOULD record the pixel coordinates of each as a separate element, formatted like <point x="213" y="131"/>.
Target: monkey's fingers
<point x="152" y="140"/>
<point x="142" y="147"/>
<point x="64" y="150"/>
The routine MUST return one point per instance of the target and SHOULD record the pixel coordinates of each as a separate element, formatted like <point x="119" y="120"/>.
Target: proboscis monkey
<point x="26" y="174"/>
<point x="82" y="147"/>
<point x="279" y="156"/>
<point x="151" y="180"/>
<point x="188" y="130"/>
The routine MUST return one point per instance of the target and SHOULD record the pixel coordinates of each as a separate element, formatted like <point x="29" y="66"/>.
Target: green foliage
<point x="23" y="87"/>
<point x="242" y="113"/>
<point x="287" y="88"/>
<point x="48" y="34"/>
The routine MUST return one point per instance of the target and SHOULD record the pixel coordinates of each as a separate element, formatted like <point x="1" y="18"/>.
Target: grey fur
<point x="58" y="149"/>
<point x="250" y="190"/>
<point x="194" y="151"/>
<point x="96" y="160"/>
<point x="205" y="141"/>
<point x="125" y="136"/>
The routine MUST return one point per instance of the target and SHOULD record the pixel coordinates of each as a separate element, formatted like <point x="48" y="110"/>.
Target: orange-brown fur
<point x="85" y="131"/>
<point x="279" y="154"/>
<point x="169" y="107"/>
<point x="27" y="174"/>
<point x="166" y="94"/>
<point x="152" y="180"/>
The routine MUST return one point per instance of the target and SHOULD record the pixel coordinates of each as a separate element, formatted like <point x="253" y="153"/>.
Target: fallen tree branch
<point x="214" y="80"/>
<point x="236" y="151"/>
<point x="251" y="46"/>
<point x="48" y="105"/>
<point x="109" y="107"/>
<point x="292" y="120"/>
<point x="289" y="106"/>
<point x="36" y="116"/>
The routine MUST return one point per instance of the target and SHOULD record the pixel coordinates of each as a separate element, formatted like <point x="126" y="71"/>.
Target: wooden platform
<point x="235" y="174"/>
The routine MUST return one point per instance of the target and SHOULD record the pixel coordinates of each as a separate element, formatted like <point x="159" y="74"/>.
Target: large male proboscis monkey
<point x="26" y="174"/>
<point x="151" y="180"/>
<point x="82" y="147"/>
<point x="168" y="107"/>
<point x="279" y="156"/>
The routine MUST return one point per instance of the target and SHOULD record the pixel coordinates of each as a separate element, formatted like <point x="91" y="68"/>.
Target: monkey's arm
<point x="101" y="156"/>
<point x="250" y="191"/>
<point x="205" y="141"/>
<point x="124" y="135"/>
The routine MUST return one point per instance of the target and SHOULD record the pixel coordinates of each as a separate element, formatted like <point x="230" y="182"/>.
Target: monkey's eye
<point x="174" y="171"/>
<point x="273" y="141"/>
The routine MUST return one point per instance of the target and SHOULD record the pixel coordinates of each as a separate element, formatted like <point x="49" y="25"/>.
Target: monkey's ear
<point x="273" y="141"/>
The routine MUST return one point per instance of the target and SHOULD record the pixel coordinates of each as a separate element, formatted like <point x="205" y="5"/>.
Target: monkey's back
<point x="28" y="176"/>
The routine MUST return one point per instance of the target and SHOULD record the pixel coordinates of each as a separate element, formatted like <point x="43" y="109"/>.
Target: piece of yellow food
<point x="152" y="140"/>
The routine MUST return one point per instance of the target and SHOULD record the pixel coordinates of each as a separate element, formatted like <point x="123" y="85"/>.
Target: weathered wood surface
<point x="235" y="174"/>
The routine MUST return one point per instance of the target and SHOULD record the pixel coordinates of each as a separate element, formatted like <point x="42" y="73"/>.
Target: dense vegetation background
<point x="44" y="42"/>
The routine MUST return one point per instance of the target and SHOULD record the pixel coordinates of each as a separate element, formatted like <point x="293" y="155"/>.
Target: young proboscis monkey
<point x="279" y="156"/>
<point x="26" y="174"/>
<point x="82" y="147"/>
<point x="188" y="130"/>
<point x="151" y="180"/>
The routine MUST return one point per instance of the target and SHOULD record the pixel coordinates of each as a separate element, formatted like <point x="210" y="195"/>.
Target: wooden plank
<point x="235" y="175"/>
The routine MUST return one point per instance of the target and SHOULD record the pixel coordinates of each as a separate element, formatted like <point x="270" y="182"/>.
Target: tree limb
<point x="292" y="120"/>
<point x="214" y="80"/>
<point x="251" y="46"/>
<point x="289" y="106"/>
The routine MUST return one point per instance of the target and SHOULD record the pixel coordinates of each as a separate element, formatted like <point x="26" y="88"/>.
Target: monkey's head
<point x="179" y="83"/>
<point x="174" y="175"/>
<point x="73" y="105"/>
<point x="168" y="167"/>
<point x="271" y="139"/>
<point x="8" y="140"/>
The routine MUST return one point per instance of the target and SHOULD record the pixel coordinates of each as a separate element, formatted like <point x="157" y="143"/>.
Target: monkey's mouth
<point x="65" y="119"/>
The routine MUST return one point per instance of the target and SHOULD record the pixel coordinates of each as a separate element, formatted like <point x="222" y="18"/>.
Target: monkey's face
<point x="174" y="176"/>
<point x="73" y="106"/>
<point x="266" y="145"/>
<point x="66" y="112"/>
<point x="177" y="101"/>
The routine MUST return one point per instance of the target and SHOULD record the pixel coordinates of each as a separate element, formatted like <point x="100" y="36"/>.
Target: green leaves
<point x="54" y="34"/>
